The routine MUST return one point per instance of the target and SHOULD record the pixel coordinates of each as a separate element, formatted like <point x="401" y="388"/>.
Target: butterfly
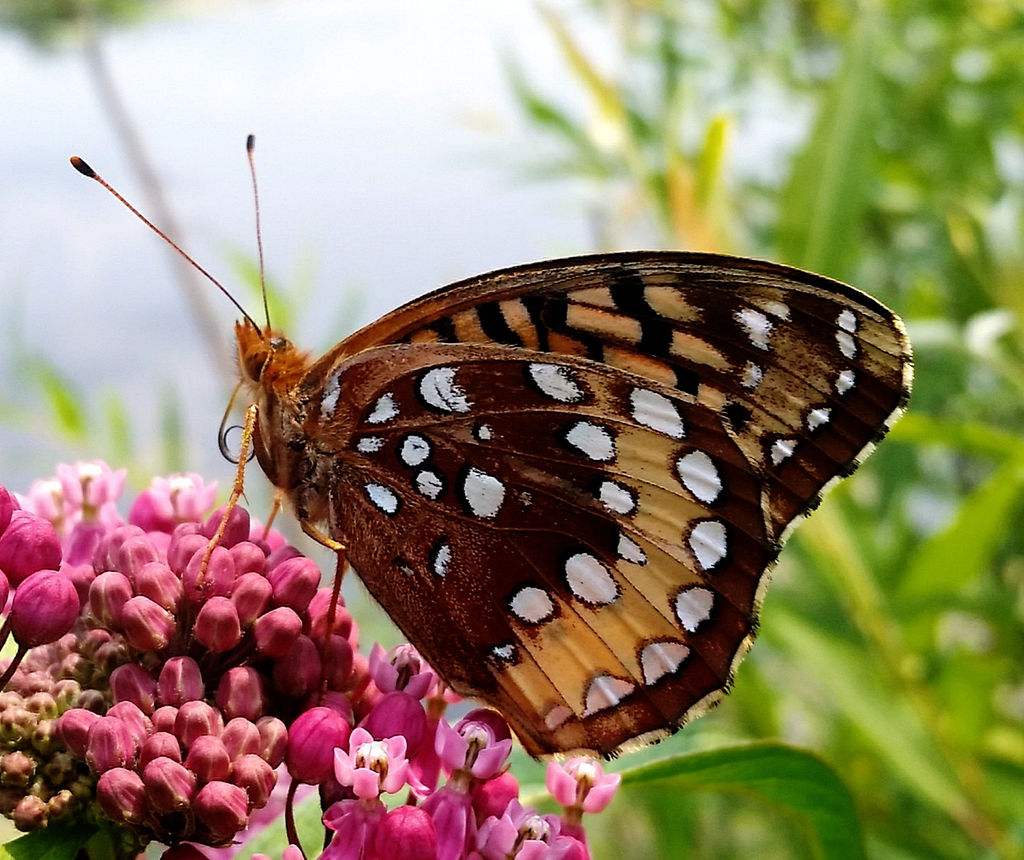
<point x="567" y="482"/>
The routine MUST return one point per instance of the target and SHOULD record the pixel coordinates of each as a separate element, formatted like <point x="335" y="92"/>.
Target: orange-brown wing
<point x="567" y="481"/>
<point x="771" y="347"/>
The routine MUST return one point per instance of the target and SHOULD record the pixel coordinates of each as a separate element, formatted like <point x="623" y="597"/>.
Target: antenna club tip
<point x="82" y="167"/>
<point x="250" y="143"/>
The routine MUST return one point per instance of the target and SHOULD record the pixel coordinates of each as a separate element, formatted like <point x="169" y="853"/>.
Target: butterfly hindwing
<point x="556" y="536"/>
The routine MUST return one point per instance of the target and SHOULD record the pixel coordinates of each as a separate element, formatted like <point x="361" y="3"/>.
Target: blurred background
<point x="405" y="145"/>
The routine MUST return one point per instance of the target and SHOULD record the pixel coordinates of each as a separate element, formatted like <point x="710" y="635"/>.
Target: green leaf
<point x="797" y="781"/>
<point x="711" y="161"/>
<point x="57" y="842"/>
<point x="64" y="402"/>
<point x="882" y="714"/>
<point x="545" y="113"/>
<point x="827" y="193"/>
<point x="120" y="425"/>
<point x="967" y="437"/>
<point x="964" y="550"/>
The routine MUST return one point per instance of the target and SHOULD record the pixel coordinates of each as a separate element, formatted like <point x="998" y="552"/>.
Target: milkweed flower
<point x="179" y="692"/>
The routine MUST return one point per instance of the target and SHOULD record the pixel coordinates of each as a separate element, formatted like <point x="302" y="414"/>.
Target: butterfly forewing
<point x="781" y="347"/>
<point x="566" y="482"/>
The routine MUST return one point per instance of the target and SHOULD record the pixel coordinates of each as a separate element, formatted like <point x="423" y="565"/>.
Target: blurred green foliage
<point x="892" y="641"/>
<point x="46" y="21"/>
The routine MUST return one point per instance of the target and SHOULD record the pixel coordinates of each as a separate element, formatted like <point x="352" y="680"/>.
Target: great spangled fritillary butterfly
<point x="566" y="482"/>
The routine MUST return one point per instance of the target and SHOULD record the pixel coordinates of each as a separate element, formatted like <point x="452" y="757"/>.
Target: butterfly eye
<point x="278" y="342"/>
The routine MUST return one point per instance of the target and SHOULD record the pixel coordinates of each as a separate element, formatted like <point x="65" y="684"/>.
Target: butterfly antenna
<point x="86" y="170"/>
<point x="250" y="146"/>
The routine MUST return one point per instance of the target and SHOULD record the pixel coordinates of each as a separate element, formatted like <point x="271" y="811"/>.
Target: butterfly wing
<point x="567" y="481"/>
<point x="784" y="355"/>
<point x="576" y="546"/>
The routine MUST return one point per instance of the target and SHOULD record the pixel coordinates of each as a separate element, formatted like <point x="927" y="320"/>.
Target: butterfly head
<point x="267" y="359"/>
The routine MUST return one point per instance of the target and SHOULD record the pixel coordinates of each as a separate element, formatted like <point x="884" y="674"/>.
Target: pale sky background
<point x="376" y="172"/>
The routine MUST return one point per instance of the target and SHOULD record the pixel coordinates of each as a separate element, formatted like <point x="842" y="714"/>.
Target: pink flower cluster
<point x="475" y="814"/>
<point x="169" y="685"/>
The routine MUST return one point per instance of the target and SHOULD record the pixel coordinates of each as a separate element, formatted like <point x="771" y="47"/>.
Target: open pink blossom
<point x="372" y="767"/>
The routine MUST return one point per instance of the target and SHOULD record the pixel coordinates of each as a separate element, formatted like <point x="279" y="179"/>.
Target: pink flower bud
<point x="208" y="759"/>
<point x="108" y="594"/>
<point x="185" y="851"/>
<point x="5" y="590"/>
<point x="251" y="595"/>
<point x="406" y="833"/>
<point x="30" y="813"/>
<point x="131" y="715"/>
<point x="337" y="663"/>
<point x="277" y="632"/>
<point x="110" y="744"/>
<point x="280" y="554"/>
<point x="8" y="505"/>
<point x="132" y="683"/>
<point x="217" y="625"/>
<point x="81" y="577"/>
<point x="492" y="797"/>
<point x="196" y="719"/>
<point x="241" y="737"/>
<point x="17" y="769"/>
<point x="45" y="607"/>
<point x="93" y="641"/>
<point x="73" y="728"/>
<point x="397" y="713"/>
<point x="164" y="719"/>
<point x="248" y="558"/>
<point x="237" y="529"/>
<point x="274" y="740"/>
<point x="159" y="744"/>
<point x="170" y="785"/>
<point x="311" y="742"/>
<point x="180" y="681"/>
<point x="29" y="543"/>
<point x="65" y="693"/>
<point x="185" y="543"/>
<point x="256" y="777"/>
<point x="160" y="584"/>
<point x="147" y="625"/>
<point x="318" y="608"/>
<point x="216" y="581"/>
<point x="134" y="554"/>
<point x="298" y="673"/>
<point x="240" y="693"/>
<point x="122" y="795"/>
<point x="295" y="581"/>
<point x="222" y="808"/>
<point x="106" y="555"/>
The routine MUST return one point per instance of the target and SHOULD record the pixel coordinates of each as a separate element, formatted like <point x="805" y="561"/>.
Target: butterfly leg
<point x="339" y="550"/>
<point x="274" y="511"/>
<point x="236" y="490"/>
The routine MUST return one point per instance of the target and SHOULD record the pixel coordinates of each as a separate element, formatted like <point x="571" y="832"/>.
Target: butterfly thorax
<point x="272" y="370"/>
